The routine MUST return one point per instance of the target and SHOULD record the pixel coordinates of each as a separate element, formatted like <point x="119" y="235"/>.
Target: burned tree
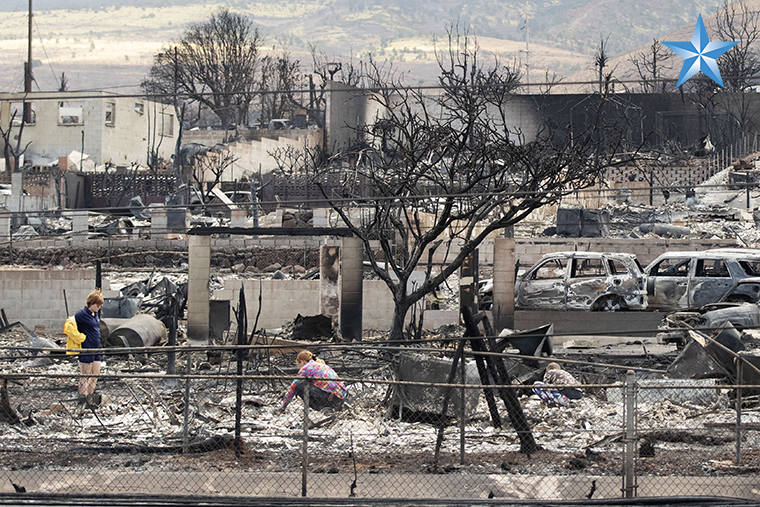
<point x="209" y="166"/>
<point x="280" y="82"/>
<point x="651" y="66"/>
<point x="728" y="112"/>
<point x="13" y="154"/>
<point x="215" y="63"/>
<point x="741" y="65"/>
<point x="602" y="60"/>
<point x="446" y="170"/>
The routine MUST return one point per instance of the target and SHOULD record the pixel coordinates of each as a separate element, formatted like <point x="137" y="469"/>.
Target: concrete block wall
<point x="36" y="296"/>
<point x="602" y="323"/>
<point x="283" y="300"/>
<point x="670" y="174"/>
<point x="254" y="154"/>
<point x="377" y="309"/>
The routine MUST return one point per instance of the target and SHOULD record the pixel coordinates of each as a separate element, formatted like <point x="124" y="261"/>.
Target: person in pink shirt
<point x="324" y="392"/>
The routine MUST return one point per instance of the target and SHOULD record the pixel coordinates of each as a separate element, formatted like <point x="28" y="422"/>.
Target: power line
<point x="81" y="94"/>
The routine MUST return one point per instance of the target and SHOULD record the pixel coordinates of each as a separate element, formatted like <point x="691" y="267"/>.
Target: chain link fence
<point x="215" y="427"/>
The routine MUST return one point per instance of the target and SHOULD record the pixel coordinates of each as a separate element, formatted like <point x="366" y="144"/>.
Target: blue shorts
<point x="90" y="358"/>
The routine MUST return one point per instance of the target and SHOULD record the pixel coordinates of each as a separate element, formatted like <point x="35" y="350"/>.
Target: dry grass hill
<point x="625" y="72"/>
<point x="111" y="47"/>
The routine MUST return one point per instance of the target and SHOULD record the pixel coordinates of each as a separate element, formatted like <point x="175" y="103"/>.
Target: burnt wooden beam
<point x="500" y="374"/>
<point x="471" y="330"/>
<point x="445" y="404"/>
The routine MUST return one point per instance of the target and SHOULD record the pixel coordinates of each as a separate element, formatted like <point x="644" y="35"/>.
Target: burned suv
<point x="690" y="280"/>
<point x="583" y="281"/>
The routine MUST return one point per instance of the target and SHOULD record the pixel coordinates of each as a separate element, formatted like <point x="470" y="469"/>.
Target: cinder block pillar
<point x="329" y="271"/>
<point x="17" y="191"/>
<point x="79" y="223"/>
<point x="321" y="217"/>
<point x="278" y="217"/>
<point x="197" y="291"/>
<point x="351" y="251"/>
<point x="238" y="217"/>
<point x="159" y="223"/>
<point x="503" y="283"/>
<point x="5" y="225"/>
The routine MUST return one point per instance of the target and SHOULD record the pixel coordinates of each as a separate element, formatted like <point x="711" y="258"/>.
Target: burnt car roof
<point x="573" y="253"/>
<point x="732" y="253"/>
<point x="751" y="279"/>
<point x="738" y="252"/>
<point x="725" y="253"/>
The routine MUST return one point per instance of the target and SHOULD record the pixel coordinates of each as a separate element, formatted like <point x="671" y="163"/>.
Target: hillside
<point x="102" y="45"/>
<point x="626" y="73"/>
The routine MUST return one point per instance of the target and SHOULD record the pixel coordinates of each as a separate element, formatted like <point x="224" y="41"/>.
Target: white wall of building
<point x="110" y="128"/>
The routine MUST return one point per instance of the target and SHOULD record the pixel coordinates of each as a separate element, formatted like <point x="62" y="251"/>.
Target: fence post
<point x="462" y="412"/>
<point x="305" y="464"/>
<point x="186" y="422"/>
<point x="739" y="365"/>
<point x="629" y="477"/>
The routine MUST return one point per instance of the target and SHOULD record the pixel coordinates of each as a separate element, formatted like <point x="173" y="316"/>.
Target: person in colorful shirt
<point x="323" y="392"/>
<point x="556" y="376"/>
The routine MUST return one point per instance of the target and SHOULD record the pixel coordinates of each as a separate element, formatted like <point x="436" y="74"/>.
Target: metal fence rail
<point x="194" y="433"/>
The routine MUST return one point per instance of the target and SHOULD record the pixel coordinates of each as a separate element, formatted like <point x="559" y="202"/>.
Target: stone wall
<point x="263" y="251"/>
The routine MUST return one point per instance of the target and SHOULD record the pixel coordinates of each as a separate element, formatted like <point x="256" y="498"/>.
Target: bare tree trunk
<point x="7" y="414"/>
<point x="396" y="332"/>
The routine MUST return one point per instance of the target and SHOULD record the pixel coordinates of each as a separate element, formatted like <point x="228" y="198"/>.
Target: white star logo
<point x="699" y="54"/>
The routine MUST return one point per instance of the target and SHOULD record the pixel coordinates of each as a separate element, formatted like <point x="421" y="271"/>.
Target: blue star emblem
<point x="699" y="54"/>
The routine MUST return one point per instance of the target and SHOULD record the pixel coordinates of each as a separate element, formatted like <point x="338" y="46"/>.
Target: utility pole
<point x="526" y="13"/>
<point x="28" y="72"/>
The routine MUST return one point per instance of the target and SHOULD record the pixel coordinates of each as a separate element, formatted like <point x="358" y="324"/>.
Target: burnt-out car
<point x="691" y="280"/>
<point x="739" y="306"/>
<point x="583" y="281"/>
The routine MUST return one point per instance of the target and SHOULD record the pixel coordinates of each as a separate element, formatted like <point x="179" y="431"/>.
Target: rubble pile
<point x="298" y="219"/>
<point x="716" y="209"/>
<point x="581" y="437"/>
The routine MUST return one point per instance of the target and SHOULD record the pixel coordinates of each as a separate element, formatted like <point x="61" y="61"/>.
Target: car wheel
<point x="609" y="304"/>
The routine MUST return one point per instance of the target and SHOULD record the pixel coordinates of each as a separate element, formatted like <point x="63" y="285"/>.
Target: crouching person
<point x="556" y="376"/>
<point x="323" y="391"/>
